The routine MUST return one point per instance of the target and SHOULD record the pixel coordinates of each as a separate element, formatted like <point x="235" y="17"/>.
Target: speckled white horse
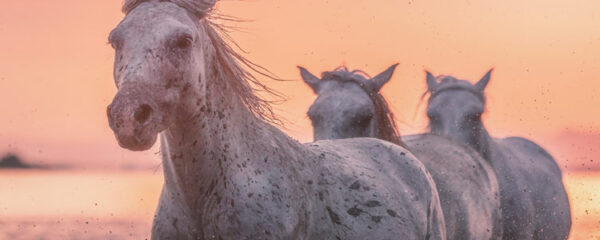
<point x="230" y="174"/>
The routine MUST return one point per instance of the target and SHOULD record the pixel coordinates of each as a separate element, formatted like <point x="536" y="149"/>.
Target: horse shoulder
<point x="265" y="200"/>
<point x="466" y="183"/>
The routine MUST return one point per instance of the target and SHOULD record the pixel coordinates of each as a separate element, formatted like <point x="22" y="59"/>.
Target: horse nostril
<point x="142" y="114"/>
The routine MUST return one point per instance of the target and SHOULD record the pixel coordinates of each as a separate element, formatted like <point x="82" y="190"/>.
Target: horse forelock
<point x="386" y="123"/>
<point x="343" y="74"/>
<point x="199" y="8"/>
<point x="446" y="82"/>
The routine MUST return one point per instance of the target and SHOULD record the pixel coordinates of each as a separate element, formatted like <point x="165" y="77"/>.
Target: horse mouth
<point x="136" y="142"/>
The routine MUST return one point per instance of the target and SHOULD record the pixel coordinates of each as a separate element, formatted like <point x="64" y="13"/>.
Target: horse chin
<point x="140" y="142"/>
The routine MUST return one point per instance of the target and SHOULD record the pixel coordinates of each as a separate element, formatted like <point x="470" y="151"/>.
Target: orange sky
<point x="56" y="66"/>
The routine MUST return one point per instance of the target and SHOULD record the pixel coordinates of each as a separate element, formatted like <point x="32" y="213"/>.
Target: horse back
<point x="371" y="189"/>
<point x="528" y="150"/>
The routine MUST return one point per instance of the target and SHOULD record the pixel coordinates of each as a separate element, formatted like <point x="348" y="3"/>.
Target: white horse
<point x="533" y="198"/>
<point x="229" y="174"/>
<point x="350" y="105"/>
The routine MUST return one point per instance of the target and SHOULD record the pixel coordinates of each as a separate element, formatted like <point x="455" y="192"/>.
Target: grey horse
<point x="349" y="105"/>
<point x="229" y="173"/>
<point x="534" y="201"/>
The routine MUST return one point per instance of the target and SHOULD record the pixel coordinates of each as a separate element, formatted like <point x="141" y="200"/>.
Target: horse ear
<point x="310" y="79"/>
<point x="484" y="81"/>
<point x="431" y="81"/>
<point x="376" y="83"/>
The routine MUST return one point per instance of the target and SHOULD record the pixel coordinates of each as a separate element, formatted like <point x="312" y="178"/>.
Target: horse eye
<point x="365" y="119"/>
<point x="183" y="42"/>
<point x="474" y="117"/>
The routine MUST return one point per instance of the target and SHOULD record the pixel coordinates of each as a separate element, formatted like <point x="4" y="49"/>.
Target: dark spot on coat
<point x="372" y="203"/>
<point x="174" y="223"/>
<point x="211" y="187"/>
<point x="171" y="83"/>
<point x="333" y="216"/>
<point x="355" y="185"/>
<point x="392" y="213"/>
<point x="186" y="87"/>
<point x="355" y="212"/>
<point x="376" y="219"/>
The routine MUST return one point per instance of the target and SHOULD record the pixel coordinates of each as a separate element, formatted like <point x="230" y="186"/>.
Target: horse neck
<point x="208" y="143"/>
<point x="482" y="141"/>
<point x="376" y="131"/>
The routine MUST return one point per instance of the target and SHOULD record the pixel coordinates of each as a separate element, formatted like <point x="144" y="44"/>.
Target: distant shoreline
<point x="13" y="162"/>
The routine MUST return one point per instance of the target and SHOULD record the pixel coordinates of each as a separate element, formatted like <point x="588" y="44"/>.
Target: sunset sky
<point x="56" y="65"/>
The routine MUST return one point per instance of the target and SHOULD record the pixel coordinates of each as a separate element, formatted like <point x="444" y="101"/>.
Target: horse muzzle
<point x="133" y="120"/>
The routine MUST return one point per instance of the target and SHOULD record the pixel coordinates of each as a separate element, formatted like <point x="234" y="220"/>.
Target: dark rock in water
<point x="12" y="161"/>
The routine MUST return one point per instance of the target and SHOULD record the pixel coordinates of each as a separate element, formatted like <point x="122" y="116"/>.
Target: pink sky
<point x="56" y="66"/>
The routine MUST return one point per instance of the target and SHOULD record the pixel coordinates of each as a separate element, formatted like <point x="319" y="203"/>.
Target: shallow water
<point x="120" y="205"/>
<point x="77" y="205"/>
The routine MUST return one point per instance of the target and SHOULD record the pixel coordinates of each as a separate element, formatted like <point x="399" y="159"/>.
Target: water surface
<point x="66" y="205"/>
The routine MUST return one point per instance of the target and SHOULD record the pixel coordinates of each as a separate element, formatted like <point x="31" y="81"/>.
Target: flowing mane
<point x="446" y="82"/>
<point x="386" y="123"/>
<point x="228" y="65"/>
